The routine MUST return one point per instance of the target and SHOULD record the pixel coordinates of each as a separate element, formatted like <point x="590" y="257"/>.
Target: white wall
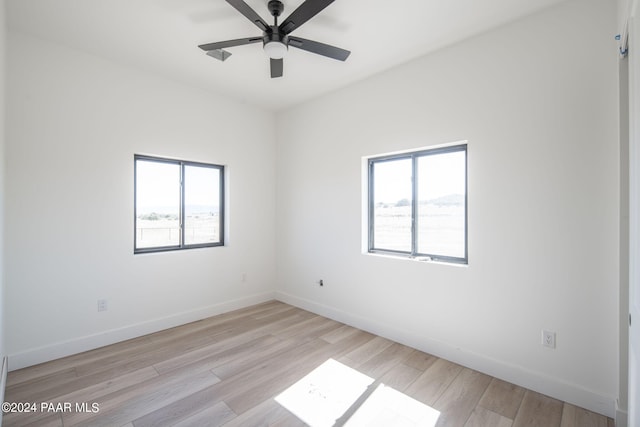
<point x="537" y="102"/>
<point x="74" y="123"/>
<point x="624" y="11"/>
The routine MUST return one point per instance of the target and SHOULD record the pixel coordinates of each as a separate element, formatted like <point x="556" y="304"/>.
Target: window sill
<point x="420" y="259"/>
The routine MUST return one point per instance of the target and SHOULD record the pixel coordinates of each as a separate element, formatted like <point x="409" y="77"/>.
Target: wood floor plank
<point x="244" y="377"/>
<point x="266" y="413"/>
<point x="213" y="416"/>
<point x="35" y="389"/>
<point x="538" y="410"/>
<point x="49" y="391"/>
<point x="400" y="377"/>
<point x="236" y="385"/>
<point x="379" y="364"/>
<point x="572" y="416"/>
<point x="228" y="366"/>
<point x="22" y="376"/>
<point x="340" y="333"/>
<point x="270" y="318"/>
<point x="482" y="417"/>
<point x="208" y="327"/>
<point x="434" y="381"/>
<point x="227" y="370"/>
<point x="161" y="350"/>
<point x="289" y="368"/>
<point x="96" y="392"/>
<point x="288" y="420"/>
<point x="420" y="360"/>
<point x="234" y="344"/>
<point x="362" y="354"/>
<point x="217" y="352"/>
<point x="309" y="329"/>
<point x="293" y="368"/>
<point x="461" y="397"/>
<point x="502" y="398"/>
<point x="134" y="402"/>
<point x="270" y="313"/>
<point x="181" y="409"/>
<point x="32" y="419"/>
<point x="53" y="420"/>
<point x="228" y="323"/>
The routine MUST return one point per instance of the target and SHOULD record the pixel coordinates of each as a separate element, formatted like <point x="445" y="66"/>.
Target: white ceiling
<point x="162" y="36"/>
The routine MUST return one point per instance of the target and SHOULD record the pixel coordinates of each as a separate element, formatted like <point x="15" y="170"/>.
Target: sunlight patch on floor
<point x="324" y="395"/>
<point x="388" y="407"/>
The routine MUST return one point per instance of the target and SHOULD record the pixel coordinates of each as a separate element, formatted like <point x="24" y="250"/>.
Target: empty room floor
<point x="258" y="366"/>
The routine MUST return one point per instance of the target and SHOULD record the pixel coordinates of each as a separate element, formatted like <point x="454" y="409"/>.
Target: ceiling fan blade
<point x="319" y="48"/>
<point x="220" y="54"/>
<point x="229" y="43"/>
<point x="249" y="13"/>
<point x="302" y="14"/>
<point x="276" y="67"/>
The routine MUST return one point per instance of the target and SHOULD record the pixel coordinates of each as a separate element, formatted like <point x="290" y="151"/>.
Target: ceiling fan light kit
<point x="275" y="38"/>
<point x="275" y="50"/>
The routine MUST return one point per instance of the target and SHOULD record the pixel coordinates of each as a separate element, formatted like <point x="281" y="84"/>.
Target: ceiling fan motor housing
<point x="275" y="7"/>
<point x="275" y="36"/>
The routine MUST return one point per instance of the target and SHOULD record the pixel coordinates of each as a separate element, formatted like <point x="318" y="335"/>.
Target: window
<point x="418" y="204"/>
<point x="178" y="204"/>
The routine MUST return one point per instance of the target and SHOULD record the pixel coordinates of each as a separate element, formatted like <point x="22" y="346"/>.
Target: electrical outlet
<point x="548" y="339"/>
<point x="102" y="305"/>
<point x="321" y="282"/>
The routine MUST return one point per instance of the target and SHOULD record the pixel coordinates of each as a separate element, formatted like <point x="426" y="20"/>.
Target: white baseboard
<point x="537" y="381"/>
<point x="622" y="417"/>
<point x="78" y="345"/>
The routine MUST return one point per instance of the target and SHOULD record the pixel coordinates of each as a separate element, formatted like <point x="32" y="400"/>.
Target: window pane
<point x="157" y="204"/>
<point x="392" y="198"/>
<point x="441" y="204"/>
<point x="201" y="205"/>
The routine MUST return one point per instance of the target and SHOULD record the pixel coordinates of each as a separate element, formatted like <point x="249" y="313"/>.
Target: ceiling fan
<point x="275" y="38"/>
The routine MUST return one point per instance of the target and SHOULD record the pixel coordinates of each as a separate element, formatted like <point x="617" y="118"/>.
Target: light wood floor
<point x="226" y="370"/>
